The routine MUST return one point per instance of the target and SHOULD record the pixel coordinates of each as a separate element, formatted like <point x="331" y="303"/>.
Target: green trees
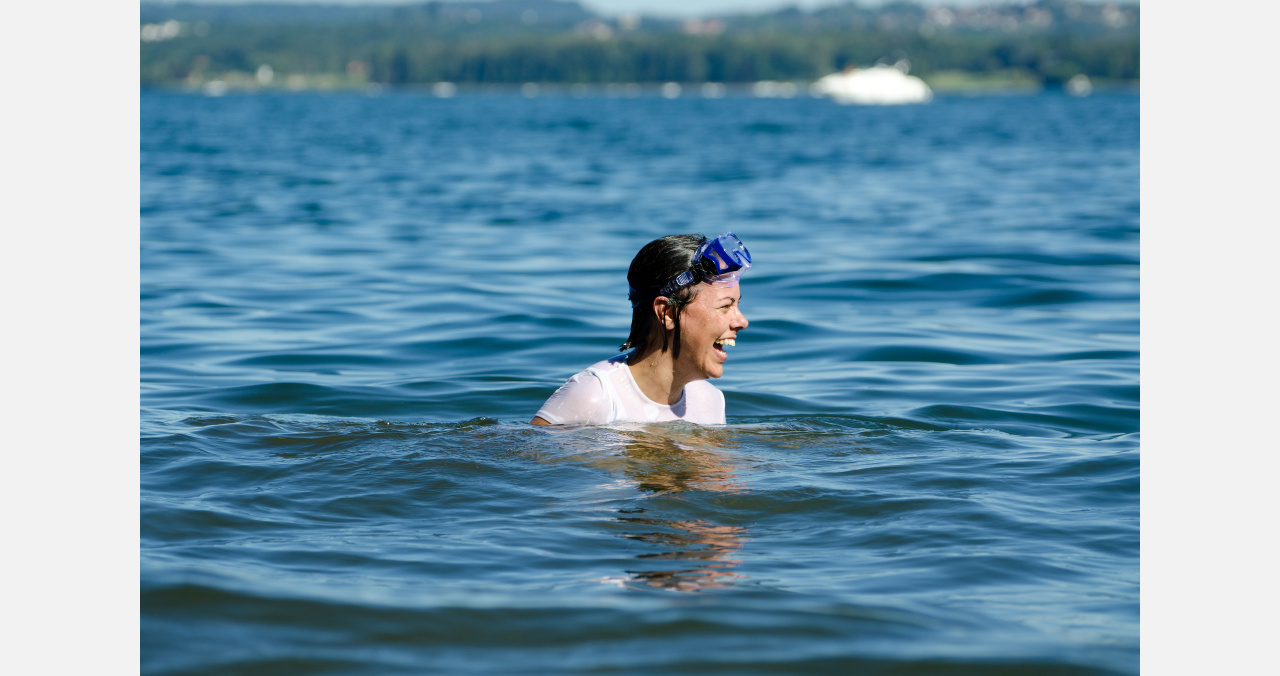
<point x="517" y="41"/>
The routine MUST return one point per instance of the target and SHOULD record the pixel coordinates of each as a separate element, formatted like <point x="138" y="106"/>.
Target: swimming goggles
<point x="726" y="252"/>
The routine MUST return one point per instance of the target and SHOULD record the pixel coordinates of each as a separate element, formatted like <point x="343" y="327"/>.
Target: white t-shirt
<point x="607" y="393"/>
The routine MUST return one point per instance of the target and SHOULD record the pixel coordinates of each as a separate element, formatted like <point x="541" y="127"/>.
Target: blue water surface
<point x="352" y="305"/>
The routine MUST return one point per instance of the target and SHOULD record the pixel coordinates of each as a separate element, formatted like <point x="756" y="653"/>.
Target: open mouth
<point x="721" y="344"/>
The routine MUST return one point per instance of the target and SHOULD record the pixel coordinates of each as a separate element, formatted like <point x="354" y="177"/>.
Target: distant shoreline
<point x="512" y="43"/>
<point x="944" y="82"/>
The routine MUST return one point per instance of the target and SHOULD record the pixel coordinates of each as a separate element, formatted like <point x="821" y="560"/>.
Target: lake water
<point x="352" y="305"/>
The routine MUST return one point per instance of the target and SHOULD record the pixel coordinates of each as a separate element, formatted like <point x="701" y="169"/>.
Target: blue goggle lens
<point x="726" y="252"/>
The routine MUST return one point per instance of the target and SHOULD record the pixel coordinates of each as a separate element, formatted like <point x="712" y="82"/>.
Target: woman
<point x="684" y="313"/>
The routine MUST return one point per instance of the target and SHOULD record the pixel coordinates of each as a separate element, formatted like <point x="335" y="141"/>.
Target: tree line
<point x="559" y="42"/>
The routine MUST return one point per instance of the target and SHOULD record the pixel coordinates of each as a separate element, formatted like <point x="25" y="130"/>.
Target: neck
<point x="656" y="373"/>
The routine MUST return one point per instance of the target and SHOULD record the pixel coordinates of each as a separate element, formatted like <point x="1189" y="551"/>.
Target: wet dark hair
<point x="657" y="263"/>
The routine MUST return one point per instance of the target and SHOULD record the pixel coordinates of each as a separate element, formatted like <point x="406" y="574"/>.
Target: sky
<point x="674" y="8"/>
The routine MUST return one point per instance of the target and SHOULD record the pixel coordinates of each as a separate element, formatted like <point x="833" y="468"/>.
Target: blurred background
<point x="962" y="46"/>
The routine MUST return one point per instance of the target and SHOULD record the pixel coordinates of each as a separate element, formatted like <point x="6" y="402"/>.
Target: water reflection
<point x="702" y="552"/>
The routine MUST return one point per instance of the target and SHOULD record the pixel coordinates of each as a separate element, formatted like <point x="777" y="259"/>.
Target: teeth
<point x="727" y="341"/>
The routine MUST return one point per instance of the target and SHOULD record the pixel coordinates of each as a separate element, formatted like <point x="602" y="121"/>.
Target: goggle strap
<point x="682" y="279"/>
<point x="725" y="260"/>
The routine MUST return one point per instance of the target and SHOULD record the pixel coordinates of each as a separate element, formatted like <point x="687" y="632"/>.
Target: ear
<point x="662" y="310"/>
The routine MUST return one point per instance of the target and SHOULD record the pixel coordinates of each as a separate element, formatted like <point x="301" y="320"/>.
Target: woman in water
<point x="684" y="313"/>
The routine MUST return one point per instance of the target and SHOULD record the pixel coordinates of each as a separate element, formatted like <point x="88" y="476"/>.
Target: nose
<point x="740" y="322"/>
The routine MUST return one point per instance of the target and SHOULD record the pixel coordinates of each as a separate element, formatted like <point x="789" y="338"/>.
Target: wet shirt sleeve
<point x="706" y="406"/>
<point x="581" y="401"/>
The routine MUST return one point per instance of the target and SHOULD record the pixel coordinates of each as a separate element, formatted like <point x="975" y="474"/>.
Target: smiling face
<point x="711" y="318"/>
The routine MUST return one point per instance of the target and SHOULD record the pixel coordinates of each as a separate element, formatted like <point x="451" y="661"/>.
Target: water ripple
<point x="351" y="306"/>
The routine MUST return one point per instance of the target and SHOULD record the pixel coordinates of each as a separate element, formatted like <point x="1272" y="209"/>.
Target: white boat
<point x="1079" y="85"/>
<point x="879" y="85"/>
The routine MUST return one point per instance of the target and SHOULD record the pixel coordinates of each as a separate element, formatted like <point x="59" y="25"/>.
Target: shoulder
<point x="704" y="403"/>
<point x="614" y="363"/>
<point x="613" y="369"/>
<point x="611" y="364"/>
<point x="582" y="400"/>
<point x="704" y="390"/>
